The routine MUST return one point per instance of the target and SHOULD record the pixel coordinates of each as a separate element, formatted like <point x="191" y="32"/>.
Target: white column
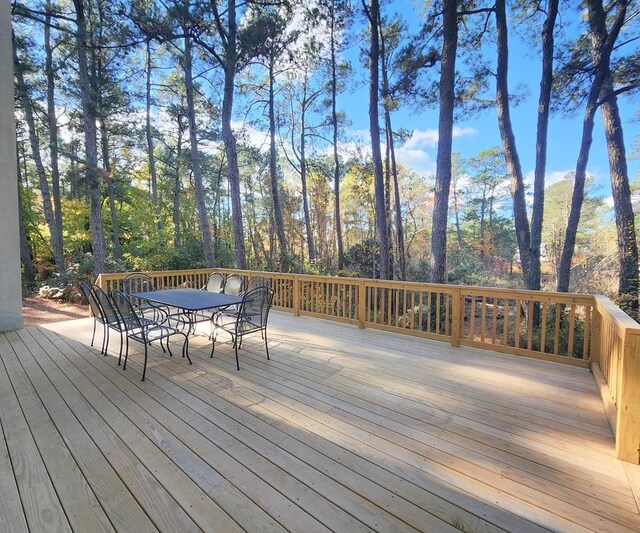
<point x="10" y="285"/>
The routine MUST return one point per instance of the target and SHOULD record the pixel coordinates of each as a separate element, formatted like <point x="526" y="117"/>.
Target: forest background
<point x="486" y="139"/>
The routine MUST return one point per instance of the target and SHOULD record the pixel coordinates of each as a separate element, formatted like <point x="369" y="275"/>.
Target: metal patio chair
<point x="111" y="318"/>
<point x="233" y="285"/>
<point x="144" y="331"/>
<point x="138" y="282"/>
<point x="252" y="317"/>
<point x="98" y="314"/>
<point x="257" y="281"/>
<point x="215" y="283"/>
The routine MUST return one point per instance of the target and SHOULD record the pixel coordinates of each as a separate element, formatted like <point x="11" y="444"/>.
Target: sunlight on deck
<point x="343" y="430"/>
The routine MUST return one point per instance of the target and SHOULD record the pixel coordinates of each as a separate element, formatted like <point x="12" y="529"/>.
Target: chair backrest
<point x="233" y="285"/>
<point x="258" y="281"/>
<point x="215" y="282"/>
<point x="108" y="311"/>
<point x="91" y="299"/>
<point x="137" y="283"/>
<point x="127" y="316"/>
<point x="255" y="306"/>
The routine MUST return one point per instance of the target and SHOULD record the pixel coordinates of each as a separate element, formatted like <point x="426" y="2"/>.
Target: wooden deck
<point x="343" y="430"/>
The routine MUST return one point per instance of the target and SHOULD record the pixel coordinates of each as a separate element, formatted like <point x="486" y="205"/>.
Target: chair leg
<point x="94" y="330"/>
<point x="126" y="353"/>
<point x="168" y="348"/>
<point x="105" y="332"/>
<point x="213" y="345"/>
<point x="237" y="360"/>
<point x="120" y="356"/>
<point x="105" y="342"/>
<point x="266" y="346"/>
<point x="144" y="368"/>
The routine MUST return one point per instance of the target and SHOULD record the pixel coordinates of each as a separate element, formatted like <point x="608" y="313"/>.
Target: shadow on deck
<point x="343" y="430"/>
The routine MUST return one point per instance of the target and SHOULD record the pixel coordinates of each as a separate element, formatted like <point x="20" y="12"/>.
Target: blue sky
<point x="480" y="132"/>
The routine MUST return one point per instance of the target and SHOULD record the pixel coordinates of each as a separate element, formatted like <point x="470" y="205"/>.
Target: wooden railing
<point x="575" y="329"/>
<point x="616" y="369"/>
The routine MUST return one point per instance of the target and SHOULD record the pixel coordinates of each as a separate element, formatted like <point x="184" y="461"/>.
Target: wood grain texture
<point x="343" y="430"/>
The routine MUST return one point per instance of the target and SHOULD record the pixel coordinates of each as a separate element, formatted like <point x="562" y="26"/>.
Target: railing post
<point x="296" y="295"/>
<point x="596" y="335"/>
<point x="362" y="294"/>
<point x="628" y="420"/>
<point x="456" y="318"/>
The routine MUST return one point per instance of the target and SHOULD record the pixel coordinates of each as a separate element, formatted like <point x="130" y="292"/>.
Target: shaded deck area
<point x="343" y="430"/>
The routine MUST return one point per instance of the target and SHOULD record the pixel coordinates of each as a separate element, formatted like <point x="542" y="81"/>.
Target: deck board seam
<point x="257" y="361"/>
<point x="90" y="434"/>
<point x="267" y="386"/>
<point x="157" y="421"/>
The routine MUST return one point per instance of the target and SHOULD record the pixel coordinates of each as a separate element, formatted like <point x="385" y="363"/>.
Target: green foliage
<point x="363" y="259"/>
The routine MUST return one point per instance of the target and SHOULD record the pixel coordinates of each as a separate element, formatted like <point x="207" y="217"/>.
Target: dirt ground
<point x="42" y="311"/>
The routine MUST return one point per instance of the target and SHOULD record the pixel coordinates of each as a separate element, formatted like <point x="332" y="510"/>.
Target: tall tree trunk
<point x="106" y="163"/>
<point x="53" y="125"/>
<point x="177" y="185"/>
<point x="229" y="139"/>
<point x="303" y="178"/>
<point x="374" y="128"/>
<point x="445" y="142"/>
<point x="149" y="133"/>
<point x="334" y="124"/>
<point x="456" y="212"/>
<point x="483" y="208"/>
<point x="273" y="167"/>
<point x="196" y="168"/>
<point x="625" y="220"/>
<point x="546" y="80"/>
<point x="391" y="167"/>
<point x="602" y="55"/>
<point x="89" y="117"/>
<point x="402" y="256"/>
<point x="521" y="220"/>
<point x="37" y="159"/>
<point x="25" y="251"/>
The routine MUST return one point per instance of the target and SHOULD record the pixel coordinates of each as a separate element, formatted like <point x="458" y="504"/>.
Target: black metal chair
<point x="215" y="283"/>
<point x="143" y="330"/>
<point x="138" y="282"/>
<point x="98" y="314"/>
<point x="233" y="285"/>
<point x="258" y="281"/>
<point x="111" y="318"/>
<point x="252" y="317"/>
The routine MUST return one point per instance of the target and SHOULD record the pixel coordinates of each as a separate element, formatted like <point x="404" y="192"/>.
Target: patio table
<point x="188" y="302"/>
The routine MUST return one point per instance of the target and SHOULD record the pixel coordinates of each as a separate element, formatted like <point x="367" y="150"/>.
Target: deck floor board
<point x="343" y="430"/>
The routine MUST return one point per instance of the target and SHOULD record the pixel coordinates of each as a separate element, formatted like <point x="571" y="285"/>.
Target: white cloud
<point x="251" y="135"/>
<point x="416" y="160"/>
<point x="551" y="177"/>
<point x="421" y="139"/>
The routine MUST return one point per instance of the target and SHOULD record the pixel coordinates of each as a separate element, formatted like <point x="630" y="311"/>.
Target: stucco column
<point x="10" y="282"/>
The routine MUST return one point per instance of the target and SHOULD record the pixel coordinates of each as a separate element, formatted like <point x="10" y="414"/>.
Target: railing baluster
<point x="530" y="312"/>
<point x="556" y="335"/>
<point x="494" y="319"/>
<point x="543" y="328"/>
<point x="483" y="317"/>
<point x="572" y="324"/>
